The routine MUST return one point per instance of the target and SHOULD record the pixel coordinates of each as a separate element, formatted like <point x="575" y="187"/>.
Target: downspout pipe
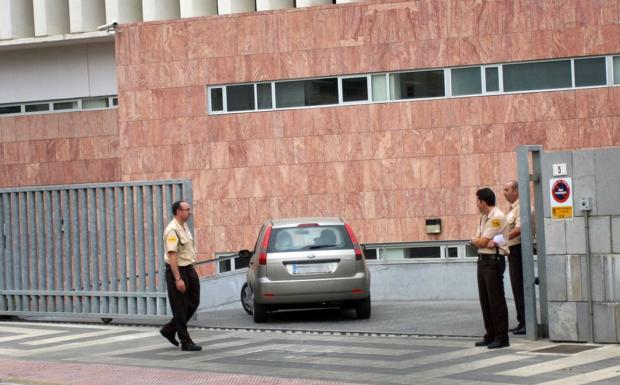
<point x="586" y="216"/>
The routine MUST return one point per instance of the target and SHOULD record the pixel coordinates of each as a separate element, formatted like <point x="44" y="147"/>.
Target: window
<point x="379" y="88"/>
<point x="217" y="100"/>
<point x="355" y="89"/>
<point x="413" y="85"/>
<point x="71" y="105"/>
<point x="590" y="72"/>
<point x="10" y="110"/>
<point x="263" y="91"/>
<point x="492" y="79"/>
<point x="115" y="101"/>
<point x="288" y="239"/>
<point x="418" y="250"/>
<point x="301" y="93"/>
<point x="466" y="81"/>
<point x="37" y="107"/>
<point x="90" y="104"/>
<point x="537" y="76"/>
<point x="616" y="70"/>
<point x="240" y="98"/>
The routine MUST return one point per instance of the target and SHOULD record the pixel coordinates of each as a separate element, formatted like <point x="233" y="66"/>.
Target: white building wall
<point x="226" y="7"/>
<point x="310" y="3"/>
<point x="193" y="8"/>
<point x="16" y="19"/>
<point x="266" y="5"/>
<point x="57" y="73"/>
<point x="51" y="17"/>
<point x="123" y="11"/>
<point x="86" y="15"/>
<point x="160" y="9"/>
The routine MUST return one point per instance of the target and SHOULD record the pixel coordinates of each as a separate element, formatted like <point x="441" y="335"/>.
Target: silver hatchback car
<point x="306" y="262"/>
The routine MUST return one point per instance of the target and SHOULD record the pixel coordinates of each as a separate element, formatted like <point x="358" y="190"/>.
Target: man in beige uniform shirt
<point x="515" y="264"/>
<point x="181" y="279"/>
<point x="490" y="271"/>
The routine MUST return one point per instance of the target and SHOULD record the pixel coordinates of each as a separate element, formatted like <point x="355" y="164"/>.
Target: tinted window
<point x="37" y="107"/>
<point x="240" y="98"/>
<point x="10" y="110"/>
<point x="412" y="85"/>
<point x="492" y="79"/>
<point x="466" y="81"/>
<point x="423" y="252"/>
<point x="537" y="76"/>
<point x="65" y="105"/>
<point x="263" y="92"/>
<point x="590" y="72"/>
<point x="616" y="69"/>
<point x="302" y="93"/>
<point x="354" y="89"/>
<point x="217" y="101"/>
<point x="309" y="238"/>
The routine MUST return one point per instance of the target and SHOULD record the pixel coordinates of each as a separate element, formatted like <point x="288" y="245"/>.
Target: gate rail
<point x="91" y="250"/>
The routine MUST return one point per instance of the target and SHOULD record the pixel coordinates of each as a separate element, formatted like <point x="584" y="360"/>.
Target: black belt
<point x="485" y="256"/>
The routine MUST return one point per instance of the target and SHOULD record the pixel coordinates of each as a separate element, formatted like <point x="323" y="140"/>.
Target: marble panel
<point x="469" y="170"/>
<point x="569" y="42"/>
<point x="208" y="35"/>
<point x="471" y="49"/>
<point x="592" y="13"/>
<point x="334" y="177"/>
<point x="490" y="138"/>
<point x="616" y="131"/>
<point x="385" y="204"/>
<point x="521" y="44"/>
<point x="300" y="179"/>
<point x="372" y="180"/>
<point x="150" y="43"/>
<point x="489" y="170"/>
<point x="597" y="132"/>
<point x="354" y="206"/>
<point x="450" y="174"/>
<point x="391" y="175"/>
<point x="330" y="32"/>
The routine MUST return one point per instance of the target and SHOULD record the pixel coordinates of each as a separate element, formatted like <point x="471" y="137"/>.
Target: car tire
<point x="260" y="312"/>
<point x="362" y="308"/>
<point x="247" y="299"/>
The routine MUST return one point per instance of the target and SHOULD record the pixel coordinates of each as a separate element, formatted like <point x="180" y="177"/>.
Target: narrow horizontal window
<point x="466" y="81"/>
<point x="217" y="100"/>
<point x="492" y="79"/>
<point x="71" y="105"/>
<point x="537" y="76"/>
<point x="240" y="98"/>
<point x="414" y="85"/>
<point x="302" y="93"/>
<point x="91" y="104"/>
<point x="590" y="72"/>
<point x="423" y="252"/>
<point x="355" y="89"/>
<point x="10" y="110"/>
<point x="263" y="91"/>
<point x="616" y="69"/>
<point x="37" y="107"/>
<point x="379" y="88"/>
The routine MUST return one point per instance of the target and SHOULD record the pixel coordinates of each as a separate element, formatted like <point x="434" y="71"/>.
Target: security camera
<point x="108" y="27"/>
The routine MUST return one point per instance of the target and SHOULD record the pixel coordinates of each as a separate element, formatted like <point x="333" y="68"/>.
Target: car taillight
<point x="262" y="257"/>
<point x="356" y="246"/>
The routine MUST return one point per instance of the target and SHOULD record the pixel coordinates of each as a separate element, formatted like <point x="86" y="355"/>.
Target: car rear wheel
<point x="362" y="309"/>
<point x="260" y="312"/>
<point x="247" y="299"/>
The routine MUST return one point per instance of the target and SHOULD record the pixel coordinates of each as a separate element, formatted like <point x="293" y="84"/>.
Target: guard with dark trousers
<point x="181" y="278"/>
<point x="491" y="245"/>
<point x="515" y="263"/>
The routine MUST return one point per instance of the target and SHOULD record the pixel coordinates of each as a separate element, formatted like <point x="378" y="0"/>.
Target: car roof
<point x="291" y="222"/>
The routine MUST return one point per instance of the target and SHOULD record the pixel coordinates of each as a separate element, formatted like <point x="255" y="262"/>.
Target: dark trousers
<point x="492" y="300"/>
<point x="183" y="305"/>
<point x="515" y="265"/>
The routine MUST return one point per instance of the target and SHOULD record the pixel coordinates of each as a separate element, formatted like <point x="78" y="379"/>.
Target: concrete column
<point x="51" y="17"/>
<point x="266" y="5"/>
<point x="226" y="7"/>
<point x="310" y="3"/>
<point x="16" y="19"/>
<point x="160" y="9"/>
<point x="192" y="8"/>
<point x="86" y="15"/>
<point x="123" y="11"/>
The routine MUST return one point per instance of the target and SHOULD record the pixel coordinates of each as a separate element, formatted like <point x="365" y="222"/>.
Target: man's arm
<point x="480" y="243"/>
<point x="172" y="261"/>
<point x="514" y="233"/>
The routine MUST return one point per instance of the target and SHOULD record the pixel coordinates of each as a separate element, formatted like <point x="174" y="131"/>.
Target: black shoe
<point x="519" y="326"/>
<point x="497" y="344"/>
<point x="169" y="336"/>
<point x="191" y="347"/>
<point x="483" y="343"/>
<point x="519" y="332"/>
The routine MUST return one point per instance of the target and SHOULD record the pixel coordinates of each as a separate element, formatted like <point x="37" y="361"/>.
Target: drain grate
<point x="565" y="349"/>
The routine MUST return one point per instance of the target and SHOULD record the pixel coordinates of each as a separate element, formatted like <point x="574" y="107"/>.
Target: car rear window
<point x="309" y="238"/>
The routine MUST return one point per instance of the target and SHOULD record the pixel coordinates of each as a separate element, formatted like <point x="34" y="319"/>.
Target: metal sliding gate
<point x="90" y="250"/>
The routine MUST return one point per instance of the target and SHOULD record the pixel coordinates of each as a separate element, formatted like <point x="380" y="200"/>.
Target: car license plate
<point x="311" y="268"/>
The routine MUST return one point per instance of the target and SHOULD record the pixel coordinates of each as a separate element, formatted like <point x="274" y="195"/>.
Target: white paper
<point x="499" y="240"/>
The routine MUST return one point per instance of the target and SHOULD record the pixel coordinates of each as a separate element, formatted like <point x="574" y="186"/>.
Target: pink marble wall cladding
<point x="63" y="148"/>
<point x="383" y="167"/>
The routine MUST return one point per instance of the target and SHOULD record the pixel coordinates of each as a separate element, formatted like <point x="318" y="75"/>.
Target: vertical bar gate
<point x="92" y="250"/>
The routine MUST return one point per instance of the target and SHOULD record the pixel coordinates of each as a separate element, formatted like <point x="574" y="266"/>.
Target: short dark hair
<point x="486" y="195"/>
<point x="176" y="206"/>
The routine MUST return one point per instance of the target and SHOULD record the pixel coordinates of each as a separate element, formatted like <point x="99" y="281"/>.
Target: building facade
<point x="386" y="113"/>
